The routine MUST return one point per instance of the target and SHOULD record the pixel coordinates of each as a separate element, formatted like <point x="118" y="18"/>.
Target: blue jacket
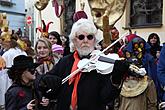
<point x="161" y="71"/>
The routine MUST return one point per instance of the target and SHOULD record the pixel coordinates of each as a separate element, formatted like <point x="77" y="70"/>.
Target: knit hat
<point x="57" y="48"/>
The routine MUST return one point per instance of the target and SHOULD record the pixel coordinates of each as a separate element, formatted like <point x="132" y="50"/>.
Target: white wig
<point x="83" y="25"/>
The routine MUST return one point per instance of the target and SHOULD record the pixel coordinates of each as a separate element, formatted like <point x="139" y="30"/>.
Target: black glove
<point x="49" y="85"/>
<point x="120" y="68"/>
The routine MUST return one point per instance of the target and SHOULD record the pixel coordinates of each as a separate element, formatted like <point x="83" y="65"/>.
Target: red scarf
<point x="75" y="80"/>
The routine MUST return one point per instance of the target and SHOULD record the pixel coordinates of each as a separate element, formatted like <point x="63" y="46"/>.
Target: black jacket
<point x="94" y="90"/>
<point x="17" y="97"/>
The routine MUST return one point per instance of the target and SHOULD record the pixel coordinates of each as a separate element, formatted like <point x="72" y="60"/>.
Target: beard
<point x="84" y="51"/>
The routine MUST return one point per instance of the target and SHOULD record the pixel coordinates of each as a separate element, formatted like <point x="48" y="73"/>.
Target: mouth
<point x="85" y="46"/>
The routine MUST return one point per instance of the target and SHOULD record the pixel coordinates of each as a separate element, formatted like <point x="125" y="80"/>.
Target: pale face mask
<point x="114" y="9"/>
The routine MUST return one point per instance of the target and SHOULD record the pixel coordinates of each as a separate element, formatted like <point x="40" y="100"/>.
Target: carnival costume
<point x="138" y="91"/>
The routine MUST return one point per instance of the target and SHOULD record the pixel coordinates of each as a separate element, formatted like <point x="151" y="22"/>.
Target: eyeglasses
<point x="81" y="37"/>
<point x="32" y="71"/>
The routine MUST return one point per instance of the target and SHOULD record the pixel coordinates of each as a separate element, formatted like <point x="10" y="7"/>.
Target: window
<point x="6" y="3"/>
<point x="146" y="13"/>
<point x="6" y="0"/>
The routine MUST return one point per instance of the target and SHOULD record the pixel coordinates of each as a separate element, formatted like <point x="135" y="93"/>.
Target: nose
<point x="85" y="39"/>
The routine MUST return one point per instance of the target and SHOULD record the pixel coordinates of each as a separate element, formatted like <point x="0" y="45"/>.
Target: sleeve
<point x="109" y="92"/>
<point x="151" y="96"/>
<point x="24" y="108"/>
<point x="10" y="101"/>
<point x="161" y="67"/>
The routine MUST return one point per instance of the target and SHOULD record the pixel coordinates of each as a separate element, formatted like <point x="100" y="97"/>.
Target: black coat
<point x="17" y="97"/>
<point x="94" y="90"/>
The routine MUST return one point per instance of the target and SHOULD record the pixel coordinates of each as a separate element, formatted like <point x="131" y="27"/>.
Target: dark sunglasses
<point x="32" y="71"/>
<point x="81" y="37"/>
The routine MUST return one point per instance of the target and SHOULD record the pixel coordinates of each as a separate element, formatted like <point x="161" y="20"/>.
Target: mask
<point x="138" y="47"/>
<point x="114" y="9"/>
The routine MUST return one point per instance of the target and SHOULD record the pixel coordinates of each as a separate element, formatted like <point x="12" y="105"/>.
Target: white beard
<point x="84" y="51"/>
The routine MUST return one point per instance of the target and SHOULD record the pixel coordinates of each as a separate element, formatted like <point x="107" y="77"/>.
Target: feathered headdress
<point x="44" y="29"/>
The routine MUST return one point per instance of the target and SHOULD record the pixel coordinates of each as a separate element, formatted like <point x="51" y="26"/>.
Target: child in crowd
<point x="58" y="51"/>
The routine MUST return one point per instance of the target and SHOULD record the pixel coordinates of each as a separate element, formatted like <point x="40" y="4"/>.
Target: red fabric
<point x="130" y="37"/>
<point x="75" y="80"/>
<point x="78" y="15"/>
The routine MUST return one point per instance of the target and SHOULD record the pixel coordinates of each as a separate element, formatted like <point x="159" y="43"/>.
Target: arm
<point x="10" y="101"/>
<point x="161" y="67"/>
<point x="113" y="82"/>
<point x="151" y="96"/>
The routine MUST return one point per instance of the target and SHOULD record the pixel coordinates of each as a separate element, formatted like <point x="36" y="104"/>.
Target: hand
<point x="31" y="105"/>
<point x="136" y="71"/>
<point x="120" y="68"/>
<point x="44" y="101"/>
<point x="50" y="85"/>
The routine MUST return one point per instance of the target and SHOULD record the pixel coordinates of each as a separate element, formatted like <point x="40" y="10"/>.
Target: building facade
<point x="15" y="10"/>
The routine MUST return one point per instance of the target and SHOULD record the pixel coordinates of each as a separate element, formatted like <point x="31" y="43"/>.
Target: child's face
<point x="57" y="54"/>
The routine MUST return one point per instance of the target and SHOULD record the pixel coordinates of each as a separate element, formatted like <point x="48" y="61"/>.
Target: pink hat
<point x="57" y="48"/>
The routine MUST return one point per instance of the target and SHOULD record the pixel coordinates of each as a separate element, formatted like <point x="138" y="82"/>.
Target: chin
<point x="85" y="51"/>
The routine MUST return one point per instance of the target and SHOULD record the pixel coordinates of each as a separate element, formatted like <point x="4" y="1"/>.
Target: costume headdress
<point x="80" y="14"/>
<point x="44" y="29"/>
<point x="6" y="34"/>
<point x="41" y="4"/>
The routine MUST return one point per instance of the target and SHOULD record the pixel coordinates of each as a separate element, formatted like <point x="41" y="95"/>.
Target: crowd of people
<point x="33" y="78"/>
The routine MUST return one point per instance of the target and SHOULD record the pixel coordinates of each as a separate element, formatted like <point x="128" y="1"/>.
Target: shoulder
<point x="13" y="90"/>
<point x="149" y="57"/>
<point x="67" y="58"/>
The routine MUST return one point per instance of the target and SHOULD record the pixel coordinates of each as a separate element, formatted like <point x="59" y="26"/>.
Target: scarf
<point x="75" y="80"/>
<point x="46" y="59"/>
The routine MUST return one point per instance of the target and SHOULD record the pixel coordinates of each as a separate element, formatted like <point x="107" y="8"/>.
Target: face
<point x="153" y="40"/>
<point x="115" y="34"/>
<point x="42" y="50"/>
<point x="138" y="46"/>
<point x="97" y="10"/>
<point x="84" y="43"/>
<point x="63" y="39"/>
<point x="6" y="44"/>
<point x="112" y="8"/>
<point x="138" y="49"/>
<point x="28" y="75"/>
<point x="53" y="39"/>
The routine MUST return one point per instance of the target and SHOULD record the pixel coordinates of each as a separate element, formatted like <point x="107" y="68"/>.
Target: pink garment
<point x="57" y="48"/>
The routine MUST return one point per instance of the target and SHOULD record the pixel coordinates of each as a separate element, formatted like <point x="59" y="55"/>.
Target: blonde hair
<point x="46" y="42"/>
